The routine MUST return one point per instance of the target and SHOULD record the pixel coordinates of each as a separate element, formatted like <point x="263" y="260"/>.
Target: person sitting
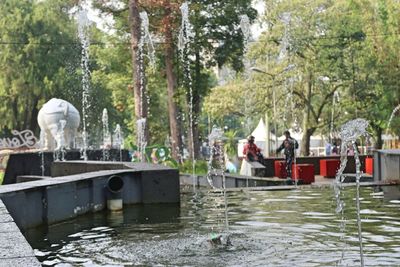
<point x="251" y="152"/>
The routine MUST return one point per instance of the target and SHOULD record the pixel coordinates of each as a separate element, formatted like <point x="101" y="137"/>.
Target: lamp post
<point x="273" y="76"/>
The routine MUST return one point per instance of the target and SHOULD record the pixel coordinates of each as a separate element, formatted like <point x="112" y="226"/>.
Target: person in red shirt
<point x="250" y="151"/>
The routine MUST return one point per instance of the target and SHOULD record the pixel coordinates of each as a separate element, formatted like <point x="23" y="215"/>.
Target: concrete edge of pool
<point x="14" y="249"/>
<point x="55" y="199"/>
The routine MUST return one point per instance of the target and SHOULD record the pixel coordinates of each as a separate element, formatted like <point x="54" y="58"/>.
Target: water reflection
<point x="279" y="228"/>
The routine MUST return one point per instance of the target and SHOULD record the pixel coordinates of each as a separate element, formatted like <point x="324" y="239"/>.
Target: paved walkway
<point x="14" y="249"/>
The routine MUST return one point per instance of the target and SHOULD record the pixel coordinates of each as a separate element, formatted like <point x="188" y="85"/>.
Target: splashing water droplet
<point x="246" y="30"/>
<point x="350" y="132"/>
<point x="118" y="140"/>
<point x="146" y="38"/>
<point x="186" y="34"/>
<point x="83" y="33"/>
<point x="106" y="136"/>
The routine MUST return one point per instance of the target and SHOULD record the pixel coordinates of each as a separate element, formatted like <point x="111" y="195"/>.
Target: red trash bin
<point x="329" y="167"/>
<point x="304" y="172"/>
<point x="369" y="165"/>
<point x="280" y="169"/>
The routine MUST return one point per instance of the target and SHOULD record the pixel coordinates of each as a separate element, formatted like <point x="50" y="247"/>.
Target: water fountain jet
<point x="186" y="34"/>
<point x="106" y="136"/>
<point x="350" y="132"/>
<point x="83" y="28"/>
<point x="395" y="110"/>
<point x="141" y="123"/>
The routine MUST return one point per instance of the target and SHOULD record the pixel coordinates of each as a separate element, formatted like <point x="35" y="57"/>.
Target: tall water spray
<point x="145" y="42"/>
<point x="186" y="34"/>
<point x="245" y="28"/>
<point x="285" y="45"/>
<point x="141" y="141"/>
<point x="335" y="100"/>
<point x="145" y="38"/>
<point x="289" y="114"/>
<point x="83" y="33"/>
<point x="106" y="136"/>
<point x="41" y="153"/>
<point x="395" y="110"/>
<point x="59" y="152"/>
<point x="350" y="132"/>
<point x="118" y="140"/>
<point x="216" y="165"/>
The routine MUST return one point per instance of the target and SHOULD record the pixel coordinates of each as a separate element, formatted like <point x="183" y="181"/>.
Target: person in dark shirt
<point x="289" y="145"/>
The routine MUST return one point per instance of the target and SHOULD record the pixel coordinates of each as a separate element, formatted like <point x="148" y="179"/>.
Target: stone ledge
<point x="59" y="180"/>
<point x="20" y="261"/>
<point x="14" y="249"/>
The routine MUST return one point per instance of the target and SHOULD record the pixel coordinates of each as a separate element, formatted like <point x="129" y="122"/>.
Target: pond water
<point x="266" y="228"/>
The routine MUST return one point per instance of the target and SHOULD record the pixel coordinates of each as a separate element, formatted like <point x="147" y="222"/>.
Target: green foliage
<point x="230" y="144"/>
<point x="355" y="44"/>
<point x="37" y="49"/>
<point x="351" y="47"/>
<point x="201" y="167"/>
<point x="216" y="26"/>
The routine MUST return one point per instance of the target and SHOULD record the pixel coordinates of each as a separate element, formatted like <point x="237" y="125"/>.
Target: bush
<point x="201" y="167"/>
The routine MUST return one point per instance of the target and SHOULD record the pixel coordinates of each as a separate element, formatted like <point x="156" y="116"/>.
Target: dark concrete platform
<point x="387" y="164"/>
<point x="14" y="249"/>
<point x="231" y="180"/>
<point x="351" y="178"/>
<point x="55" y="199"/>
<point x="241" y="182"/>
<point x="29" y="162"/>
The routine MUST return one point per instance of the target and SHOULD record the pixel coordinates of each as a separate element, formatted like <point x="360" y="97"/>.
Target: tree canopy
<point x="323" y="62"/>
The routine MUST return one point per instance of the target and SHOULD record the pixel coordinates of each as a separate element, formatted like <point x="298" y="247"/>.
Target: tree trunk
<point x="17" y="120"/>
<point x="138" y="68"/>
<point x="307" y="131"/>
<point x="33" y="125"/>
<point x="175" y="131"/>
<point x="305" y="141"/>
<point x="379" y="141"/>
<point x="26" y="115"/>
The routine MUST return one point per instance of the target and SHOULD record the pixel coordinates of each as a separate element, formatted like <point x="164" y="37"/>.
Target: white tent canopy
<point x="260" y="132"/>
<point x="260" y="137"/>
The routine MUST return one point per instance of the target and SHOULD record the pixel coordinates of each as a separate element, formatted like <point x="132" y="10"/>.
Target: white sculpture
<point x="57" y="116"/>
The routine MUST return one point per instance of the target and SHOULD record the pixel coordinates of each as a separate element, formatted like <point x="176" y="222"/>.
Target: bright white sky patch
<point x="257" y="28"/>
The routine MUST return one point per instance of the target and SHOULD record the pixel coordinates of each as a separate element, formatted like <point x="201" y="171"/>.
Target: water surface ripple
<point x="279" y="228"/>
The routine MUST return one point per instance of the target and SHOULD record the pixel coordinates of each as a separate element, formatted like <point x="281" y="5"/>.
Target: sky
<point x="257" y="28"/>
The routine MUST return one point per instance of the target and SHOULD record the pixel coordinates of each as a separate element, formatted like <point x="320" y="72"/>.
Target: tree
<point x="127" y="16"/>
<point x="167" y="26"/>
<point x="217" y="41"/>
<point x="336" y="47"/>
<point x="381" y="92"/>
<point x="163" y="22"/>
<point x="38" y="46"/>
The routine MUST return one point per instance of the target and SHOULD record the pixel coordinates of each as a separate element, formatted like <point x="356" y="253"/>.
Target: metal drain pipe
<point x="115" y="185"/>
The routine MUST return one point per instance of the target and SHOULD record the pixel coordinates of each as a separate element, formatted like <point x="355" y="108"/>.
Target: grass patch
<point x="201" y="167"/>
